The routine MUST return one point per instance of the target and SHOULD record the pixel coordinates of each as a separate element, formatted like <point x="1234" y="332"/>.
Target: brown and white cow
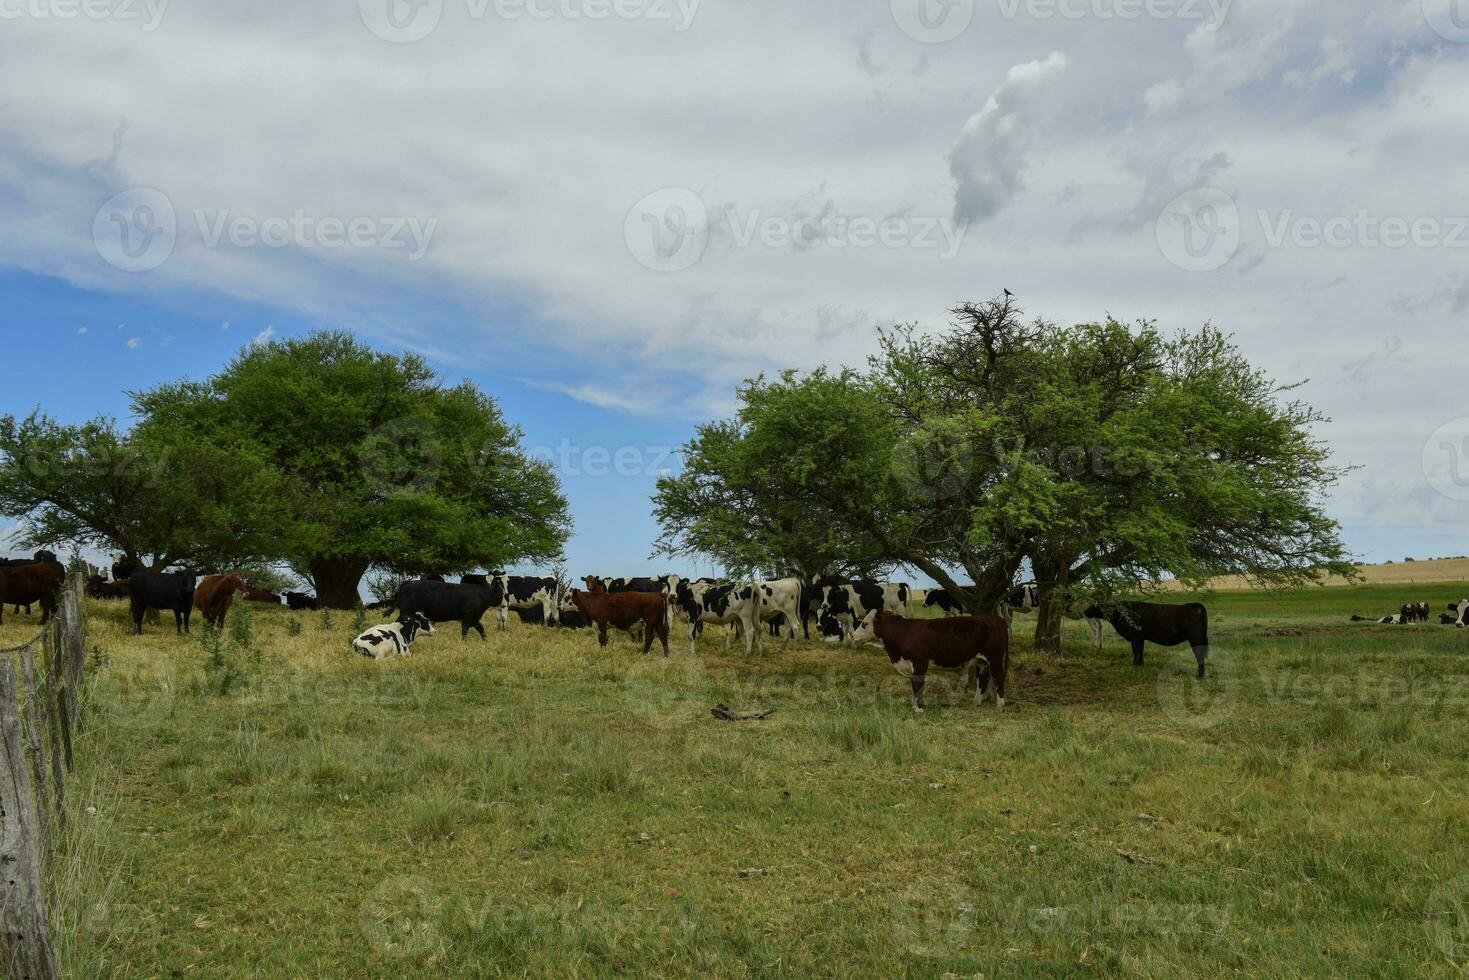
<point x="914" y="645"/>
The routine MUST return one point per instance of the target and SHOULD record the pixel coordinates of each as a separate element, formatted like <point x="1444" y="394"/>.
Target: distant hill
<point x="1428" y="570"/>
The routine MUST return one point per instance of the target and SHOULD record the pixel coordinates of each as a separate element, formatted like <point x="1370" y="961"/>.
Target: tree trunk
<point x="336" y="581"/>
<point x="1051" y="581"/>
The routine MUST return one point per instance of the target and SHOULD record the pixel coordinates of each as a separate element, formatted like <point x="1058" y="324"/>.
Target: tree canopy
<point x="1106" y="457"/>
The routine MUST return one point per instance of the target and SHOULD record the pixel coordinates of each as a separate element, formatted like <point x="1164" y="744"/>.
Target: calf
<point x="162" y="590"/>
<point x="215" y="594"/>
<point x="1396" y="619"/>
<point x="299" y="601"/>
<point x="392" y="639"/>
<point x="37" y="581"/>
<point x="728" y="605"/>
<point x="624" y="610"/>
<point x="913" y="645"/>
<point x="442" y="602"/>
<point x="1165" y="625"/>
<point x="526" y="592"/>
<point x="1413" y="612"/>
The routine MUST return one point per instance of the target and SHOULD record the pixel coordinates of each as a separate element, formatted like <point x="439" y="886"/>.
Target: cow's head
<point x="593" y="583"/>
<point x="867" y="631"/>
<point x="835" y="601"/>
<point x="414" y="624"/>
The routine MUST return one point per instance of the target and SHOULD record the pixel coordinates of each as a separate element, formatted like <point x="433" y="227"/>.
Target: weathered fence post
<point x="33" y="710"/>
<point x="24" y="933"/>
<point x="53" y="722"/>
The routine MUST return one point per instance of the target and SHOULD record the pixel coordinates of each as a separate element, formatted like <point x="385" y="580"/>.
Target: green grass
<point x="535" y="806"/>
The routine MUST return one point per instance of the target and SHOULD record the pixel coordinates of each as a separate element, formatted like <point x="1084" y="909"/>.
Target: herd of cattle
<point x="844" y="610"/>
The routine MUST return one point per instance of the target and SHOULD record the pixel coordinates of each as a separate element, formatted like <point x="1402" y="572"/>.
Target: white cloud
<point x="134" y="343"/>
<point x="990" y="154"/>
<point x="263" y="336"/>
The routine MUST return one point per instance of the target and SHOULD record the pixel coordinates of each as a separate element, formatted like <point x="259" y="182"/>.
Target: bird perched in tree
<point x="1008" y="293"/>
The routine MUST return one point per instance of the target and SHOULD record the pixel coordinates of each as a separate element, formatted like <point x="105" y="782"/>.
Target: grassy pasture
<point x="532" y="805"/>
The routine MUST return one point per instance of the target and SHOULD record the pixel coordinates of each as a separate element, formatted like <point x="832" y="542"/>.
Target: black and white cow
<point x="1024" y="598"/>
<point x="941" y="599"/>
<point x="1461" y="612"/>
<point x="527" y="591"/>
<point x="1396" y="619"/>
<point x="732" y="605"/>
<point x="393" y="639"/>
<point x="849" y="604"/>
<point x="780" y="603"/>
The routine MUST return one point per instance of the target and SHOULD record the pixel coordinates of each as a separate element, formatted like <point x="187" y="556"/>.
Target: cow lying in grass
<point x="1396" y="619"/>
<point x="393" y="639"/>
<point x="1156" y="622"/>
<point x="913" y="645"/>
<point x="625" y="610"/>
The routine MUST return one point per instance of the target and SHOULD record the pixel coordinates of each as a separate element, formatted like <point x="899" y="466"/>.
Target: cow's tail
<point x="390" y="604"/>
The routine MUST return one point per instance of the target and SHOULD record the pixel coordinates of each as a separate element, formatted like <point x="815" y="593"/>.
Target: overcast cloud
<point x="680" y="194"/>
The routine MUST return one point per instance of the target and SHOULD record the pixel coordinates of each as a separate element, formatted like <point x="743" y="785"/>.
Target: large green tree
<point x="1105" y="457"/>
<point x="379" y="463"/>
<point x="160" y="501"/>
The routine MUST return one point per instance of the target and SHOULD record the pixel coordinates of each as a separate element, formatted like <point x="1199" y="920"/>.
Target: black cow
<point x="162" y="590"/>
<point x="441" y="602"/>
<point x="299" y="601"/>
<point x="1165" y="625"/>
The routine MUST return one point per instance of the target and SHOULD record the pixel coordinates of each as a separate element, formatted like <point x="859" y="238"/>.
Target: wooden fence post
<point x="53" y="723"/>
<point x="33" y="710"/>
<point x="24" y="933"/>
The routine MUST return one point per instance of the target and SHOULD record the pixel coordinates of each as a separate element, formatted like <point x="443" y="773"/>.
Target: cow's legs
<point x="480" y="629"/>
<point x="649" y="628"/>
<point x="601" y="634"/>
<point x="1201" y="654"/>
<point x="663" y="638"/>
<point x="1096" y="628"/>
<point x="693" y="636"/>
<point x="1137" y="652"/>
<point x="917" y="681"/>
<point x="502" y="615"/>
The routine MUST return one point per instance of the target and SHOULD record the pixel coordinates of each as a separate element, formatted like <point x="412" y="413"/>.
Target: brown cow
<point x="215" y="594"/>
<point x="256" y="594"/>
<point x="36" y="582"/>
<point x="913" y="644"/>
<point x="625" y="610"/>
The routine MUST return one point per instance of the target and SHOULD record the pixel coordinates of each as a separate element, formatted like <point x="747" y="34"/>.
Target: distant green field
<point x="535" y="806"/>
